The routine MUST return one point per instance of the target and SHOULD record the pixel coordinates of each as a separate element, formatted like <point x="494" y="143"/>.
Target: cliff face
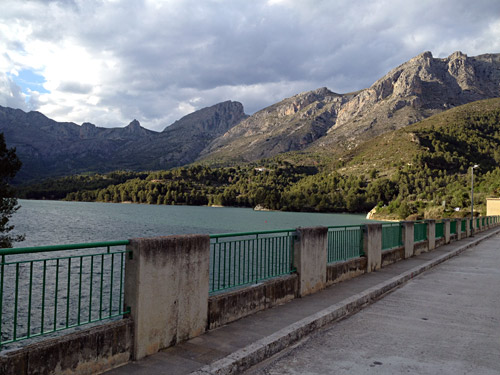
<point x="322" y="119"/>
<point x="413" y="91"/>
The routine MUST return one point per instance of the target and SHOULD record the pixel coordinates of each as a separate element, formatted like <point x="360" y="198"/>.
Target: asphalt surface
<point x="445" y="321"/>
<point x="250" y="341"/>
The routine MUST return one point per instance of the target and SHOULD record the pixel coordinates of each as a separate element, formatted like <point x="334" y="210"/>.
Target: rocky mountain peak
<point x="216" y="119"/>
<point x="88" y="130"/>
<point x="416" y="89"/>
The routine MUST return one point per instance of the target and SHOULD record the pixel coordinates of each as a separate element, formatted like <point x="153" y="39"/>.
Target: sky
<point x="111" y="61"/>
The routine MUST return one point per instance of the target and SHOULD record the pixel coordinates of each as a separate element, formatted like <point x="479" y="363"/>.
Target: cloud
<point x="109" y="61"/>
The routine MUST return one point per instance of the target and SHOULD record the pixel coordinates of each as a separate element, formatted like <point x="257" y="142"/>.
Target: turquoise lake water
<point x="58" y="222"/>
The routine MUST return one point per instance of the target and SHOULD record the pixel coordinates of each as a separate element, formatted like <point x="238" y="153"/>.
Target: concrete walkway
<point x="446" y="321"/>
<point x="238" y="346"/>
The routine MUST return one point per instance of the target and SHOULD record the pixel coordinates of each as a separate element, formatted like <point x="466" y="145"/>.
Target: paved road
<point x="446" y="321"/>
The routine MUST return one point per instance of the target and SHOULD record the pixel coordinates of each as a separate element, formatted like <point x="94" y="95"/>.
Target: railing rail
<point x="344" y="242"/>
<point x="238" y="259"/>
<point x="420" y="232"/>
<point x="439" y="229"/>
<point x="453" y="227"/>
<point x="50" y="293"/>
<point x="392" y="236"/>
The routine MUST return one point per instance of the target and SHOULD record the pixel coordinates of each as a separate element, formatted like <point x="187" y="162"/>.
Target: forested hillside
<point x="421" y="170"/>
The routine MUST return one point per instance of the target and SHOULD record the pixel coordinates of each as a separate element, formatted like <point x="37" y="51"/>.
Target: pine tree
<point x="9" y="166"/>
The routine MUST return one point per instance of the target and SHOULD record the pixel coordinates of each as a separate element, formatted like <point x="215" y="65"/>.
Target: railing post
<point x="447" y="231"/>
<point x="372" y="246"/>
<point x="408" y="237"/>
<point x="458" y="225"/>
<point x="467" y="227"/>
<point x="310" y="259"/>
<point x="166" y="288"/>
<point x="431" y="234"/>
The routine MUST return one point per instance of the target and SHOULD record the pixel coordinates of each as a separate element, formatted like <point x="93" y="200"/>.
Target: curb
<point x="262" y="349"/>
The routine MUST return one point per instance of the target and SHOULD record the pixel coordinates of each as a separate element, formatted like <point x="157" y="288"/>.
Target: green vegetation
<point x="419" y="171"/>
<point x="9" y="166"/>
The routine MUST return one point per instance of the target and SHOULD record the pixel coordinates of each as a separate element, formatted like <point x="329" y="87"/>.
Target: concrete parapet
<point x="90" y="351"/>
<point x="458" y="226"/>
<point x="166" y="287"/>
<point x="431" y="234"/>
<point x="230" y="306"/>
<point x="372" y="246"/>
<point x="310" y="259"/>
<point x="408" y="238"/>
<point x="447" y="230"/>
<point x="343" y="271"/>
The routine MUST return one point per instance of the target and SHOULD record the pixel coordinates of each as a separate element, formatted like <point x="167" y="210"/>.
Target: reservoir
<point x="59" y="222"/>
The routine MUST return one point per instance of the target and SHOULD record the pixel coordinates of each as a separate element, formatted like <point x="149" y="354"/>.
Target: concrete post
<point x="166" y="287"/>
<point x="372" y="246"/>
<point x="310" y="259"/>
<point x="467" y="227"/>
<point x="458" y="225"/>
<point x="480" y="224"/>
<point x="431" y="234"/>
<point x="447" y="231"/>
<point x="408" y="238"/>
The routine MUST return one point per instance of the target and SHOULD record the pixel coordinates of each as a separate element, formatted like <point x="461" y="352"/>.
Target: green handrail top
<point x="41" y="249"/>
<point x="251" y="233"/>
<point x="345" y="226"/>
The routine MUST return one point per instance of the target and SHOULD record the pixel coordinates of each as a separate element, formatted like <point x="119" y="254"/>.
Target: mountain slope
<point x="321" y="119"/>
<point x="49" y="148"/>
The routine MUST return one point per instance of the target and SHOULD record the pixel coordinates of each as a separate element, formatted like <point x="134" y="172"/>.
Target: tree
<point x="9" y="165"/>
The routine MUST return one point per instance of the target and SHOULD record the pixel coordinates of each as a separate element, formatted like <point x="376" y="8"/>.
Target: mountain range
<point x="318" y="120"/>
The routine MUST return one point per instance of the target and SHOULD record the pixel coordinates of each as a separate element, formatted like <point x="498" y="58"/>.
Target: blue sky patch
<point x="28" y="79"/>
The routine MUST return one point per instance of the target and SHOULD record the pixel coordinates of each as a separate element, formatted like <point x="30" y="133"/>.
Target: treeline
<point x="436" y="178"/>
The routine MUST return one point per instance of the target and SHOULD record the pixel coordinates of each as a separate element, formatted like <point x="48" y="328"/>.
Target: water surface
<point x="58" y="222"/>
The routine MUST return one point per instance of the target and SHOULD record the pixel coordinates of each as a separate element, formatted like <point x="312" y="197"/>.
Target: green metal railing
<point x="344" y="242"/>
<point x="419" y="232"/>
<point x="453" y="227"/>
<point x="392" y="236"/>
<point x="439" y="229"/>
<point x="41" y="293"/>
<point x="463" y="226"/>
<point x="238" y="259"/>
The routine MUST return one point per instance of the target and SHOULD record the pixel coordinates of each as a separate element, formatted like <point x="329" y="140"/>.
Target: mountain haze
<point x="50" y="148"/>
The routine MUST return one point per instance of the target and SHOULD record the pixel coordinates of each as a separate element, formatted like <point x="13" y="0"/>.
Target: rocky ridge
<point x="321" y="119"/>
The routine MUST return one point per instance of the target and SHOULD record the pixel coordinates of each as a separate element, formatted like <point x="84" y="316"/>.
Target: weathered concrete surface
<point x="431" y="234"/>
<point x="90" y="351"/>
<point x="372" y="246"/>
<point x="408" y="238"/>
<point x="310" y="259"/>
<point x="344" y="271"/>
<point x="392" y="256"/>
<point x="228" y="307"/>
<point x="446" y="321"/>
<point x="458" y="226"/>
<point x="166" y="286"/>
<point x="447" y="230"/>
